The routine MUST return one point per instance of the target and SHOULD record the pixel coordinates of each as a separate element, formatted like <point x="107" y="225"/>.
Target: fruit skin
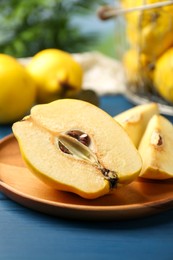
<point x="163" y="75"/>
<point x="17" y="90"/>
<point x="37" y="135"/>
<point x="135" y="120"/>
<point x="56" y="74"/>
<point x="138" y="68"/>
<point x="156" y="149"/>
<point x="148" y="28"/>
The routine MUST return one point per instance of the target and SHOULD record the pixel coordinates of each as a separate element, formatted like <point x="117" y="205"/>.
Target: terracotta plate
<point x="138" y="199"/>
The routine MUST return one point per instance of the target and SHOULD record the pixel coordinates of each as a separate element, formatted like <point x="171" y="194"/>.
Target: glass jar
<point x="147" y="50"/>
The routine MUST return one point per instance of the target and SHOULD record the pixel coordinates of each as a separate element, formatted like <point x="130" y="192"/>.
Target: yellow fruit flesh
<point x="41" y="114"/>
<point x="156" y="155"/>
<point x="91" y="185"/>
<point x="135" y="120"/>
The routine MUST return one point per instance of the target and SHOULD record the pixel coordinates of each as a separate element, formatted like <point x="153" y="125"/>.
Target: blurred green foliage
<point x="28" y="26"/>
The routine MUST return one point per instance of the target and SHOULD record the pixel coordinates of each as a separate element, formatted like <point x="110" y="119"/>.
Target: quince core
<point x="75" y="146"/>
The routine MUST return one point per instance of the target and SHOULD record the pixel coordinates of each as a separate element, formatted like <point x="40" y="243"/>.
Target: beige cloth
<point x="101" y="73"/>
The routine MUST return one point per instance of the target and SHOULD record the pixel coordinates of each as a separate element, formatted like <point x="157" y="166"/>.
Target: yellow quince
<point x="138" y="68"/>
<point x="151" y="30"/>
<point x="163" y="75"/>
<point x="17" y="90"/>
<point x="56" y="74"/>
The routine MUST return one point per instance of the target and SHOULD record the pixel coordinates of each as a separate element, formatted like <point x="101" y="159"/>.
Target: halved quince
<point x="156" y="149"/>
<point x="135" y="120"/>
<point x="75" y="146"/>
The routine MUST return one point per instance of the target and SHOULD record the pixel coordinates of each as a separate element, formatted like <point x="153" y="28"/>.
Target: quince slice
<point x="135" y="120"/>
<point x="75" y="146"/>
<point x="156" y="149"/>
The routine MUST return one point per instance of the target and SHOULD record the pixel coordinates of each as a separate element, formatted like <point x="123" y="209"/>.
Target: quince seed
<point x="80" y="136"/>
<point x="156" y="139"/>
<point x="63" y="148"/>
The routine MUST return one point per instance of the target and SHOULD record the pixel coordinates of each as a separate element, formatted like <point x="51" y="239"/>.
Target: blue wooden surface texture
<point x="26" y="234"/>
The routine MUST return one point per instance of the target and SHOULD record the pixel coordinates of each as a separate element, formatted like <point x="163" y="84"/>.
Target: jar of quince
<point x="148" y="56"/>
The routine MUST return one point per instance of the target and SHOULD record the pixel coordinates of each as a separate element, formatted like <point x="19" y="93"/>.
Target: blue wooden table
<point x="26" y="234"/>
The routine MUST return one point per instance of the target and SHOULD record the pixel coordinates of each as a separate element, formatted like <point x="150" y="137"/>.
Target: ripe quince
<point x="17" y="90"/>
<point x="146" y="29"/>
<point x="163" y="75"/>
<point x="138" y="68"/>
<point x="56" y="74"/>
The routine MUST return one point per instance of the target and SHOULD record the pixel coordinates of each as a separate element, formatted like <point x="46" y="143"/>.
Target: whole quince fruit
<point x="145" y="29"/>
<point x="138" y="68"/>
<point x="17" y="90"/>
<point x="163" y="75"/>
<point x="56" y="74"/>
